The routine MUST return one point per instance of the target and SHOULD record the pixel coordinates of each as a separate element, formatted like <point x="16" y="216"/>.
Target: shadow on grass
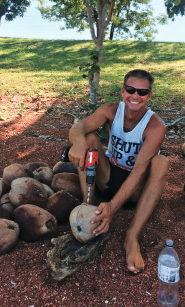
<point x="59" y="55"/>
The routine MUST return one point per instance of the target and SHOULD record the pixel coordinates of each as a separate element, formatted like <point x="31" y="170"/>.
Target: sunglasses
<point x="141" y="91"/>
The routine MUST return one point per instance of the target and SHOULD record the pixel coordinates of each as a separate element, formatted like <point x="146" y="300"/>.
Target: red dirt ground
<point x="25" y="279"/>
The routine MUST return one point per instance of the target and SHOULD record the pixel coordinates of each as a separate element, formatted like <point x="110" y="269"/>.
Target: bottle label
<point x="168" y="275"/>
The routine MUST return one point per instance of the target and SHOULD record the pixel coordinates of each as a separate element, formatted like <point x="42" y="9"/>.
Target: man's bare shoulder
<point x="156" y="126"/>
<point x="157" y="121"/>
<point x="110" y="109"/>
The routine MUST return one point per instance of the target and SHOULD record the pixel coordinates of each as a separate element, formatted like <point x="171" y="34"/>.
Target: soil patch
<point x="37" y="131"/>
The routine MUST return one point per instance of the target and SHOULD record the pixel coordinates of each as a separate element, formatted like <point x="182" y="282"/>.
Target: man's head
<point x="137" y="90"/>
<point x="139" y="74"/>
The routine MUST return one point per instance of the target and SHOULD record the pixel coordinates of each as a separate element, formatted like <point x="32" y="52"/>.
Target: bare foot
<point x="134" y="259"/>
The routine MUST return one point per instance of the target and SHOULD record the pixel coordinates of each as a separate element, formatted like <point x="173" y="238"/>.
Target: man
<point x="132" y="168"/>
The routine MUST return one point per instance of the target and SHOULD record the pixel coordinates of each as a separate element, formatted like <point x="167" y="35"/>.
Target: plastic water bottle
<point x="168" y="274"/>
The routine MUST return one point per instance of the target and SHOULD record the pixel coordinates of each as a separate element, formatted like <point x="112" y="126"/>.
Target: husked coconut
<point x="15" y="171"/>
<point x="34" y="165"/>
<point x="5" y="187"/>
<point x="1" y="186"/>
<point x="183" y="149"/>
<point x="9" y="233"/>
<point x="48" y="190"/>
<point x="6" y="205"/>
<point x="27" y="191"/>
<point x="65" y="167"/>
<point x="67" y="182"/>
<point x="79" y="220"/>
<point x="4" y="214"/>
<point x="34" y="222"/>
<point x="44" y="174"/>
<point x="61" y="204"/>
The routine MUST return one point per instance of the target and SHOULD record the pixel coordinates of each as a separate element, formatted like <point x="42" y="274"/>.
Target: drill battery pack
<point x="64" y="155"/>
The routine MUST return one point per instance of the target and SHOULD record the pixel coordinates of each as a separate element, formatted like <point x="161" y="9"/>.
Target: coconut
<point x="5" y="205"/>
<point x="27" y="191"/>
<point x="61" y="204"/>
<point x="67" y="182"/>
<point x="48" y="190"/>
<point x="4" y="186"/>
<point x="183" y="149"/>
<point x="79" y="220"/>
<point x="65" y="167"/>
<point x="15" y="171"/>
<point x="9" y="233"/>
<point x="34" y="222"/>
<point x="1" y="186"/>
<point x="44" y="174"/>
<point x="34" y="165"/>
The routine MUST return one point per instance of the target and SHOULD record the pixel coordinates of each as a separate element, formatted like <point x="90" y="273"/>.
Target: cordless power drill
<point x="91" y="162"/>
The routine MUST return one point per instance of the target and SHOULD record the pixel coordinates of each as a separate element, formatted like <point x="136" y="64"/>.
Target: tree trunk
<point x="111" y="32"/>
<point x="95" y="78"/>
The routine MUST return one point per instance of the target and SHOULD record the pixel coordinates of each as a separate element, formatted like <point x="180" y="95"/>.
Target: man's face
<point x="134" y="101"/>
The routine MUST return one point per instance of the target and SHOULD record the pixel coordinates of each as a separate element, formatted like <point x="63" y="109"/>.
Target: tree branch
<point x="110" y="14"/>
<point x="88" y="9"/>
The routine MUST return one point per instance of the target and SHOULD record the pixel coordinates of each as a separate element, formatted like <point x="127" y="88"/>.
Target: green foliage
<point x="49" y="68"/>
<point x="90" y="67"/>
<point x="134" y="19"/>
<point x="130" y="19"/>
<point x="13" y="8"/>
<point x="175" y="7"/>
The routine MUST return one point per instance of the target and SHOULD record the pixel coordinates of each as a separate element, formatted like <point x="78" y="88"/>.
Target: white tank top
<point x="124" y="147"/>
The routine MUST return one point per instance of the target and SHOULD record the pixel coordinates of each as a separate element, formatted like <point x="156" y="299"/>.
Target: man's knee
<point x="92" y="139"/>
<point x="160" y="164"/>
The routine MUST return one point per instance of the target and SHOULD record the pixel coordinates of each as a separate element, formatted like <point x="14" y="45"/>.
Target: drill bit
<point x="88" y="194"/>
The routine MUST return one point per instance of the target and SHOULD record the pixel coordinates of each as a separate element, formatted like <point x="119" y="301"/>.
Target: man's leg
<point x="150" y="194"/>
<point x="102" y="171"/>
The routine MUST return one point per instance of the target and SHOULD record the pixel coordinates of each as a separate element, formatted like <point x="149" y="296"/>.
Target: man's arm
<point x="153" y="137"/>
<point x="77" y="133"/>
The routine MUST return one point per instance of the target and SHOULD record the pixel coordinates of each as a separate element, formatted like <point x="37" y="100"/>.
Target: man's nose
<point x="135" y="95"/>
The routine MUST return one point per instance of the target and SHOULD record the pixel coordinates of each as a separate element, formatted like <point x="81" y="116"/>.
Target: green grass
<point x="50" y="68"/>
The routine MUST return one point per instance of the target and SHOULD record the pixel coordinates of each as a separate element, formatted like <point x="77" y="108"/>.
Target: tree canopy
<point x="13" y="8"/>
<point x="175" y="7"/>
<point x="130" y="18"/>
<point x="103" y="17"/>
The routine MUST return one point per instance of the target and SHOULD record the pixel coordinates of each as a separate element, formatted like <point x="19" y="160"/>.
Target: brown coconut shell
<point x="4" y="214"/>
<point x="48" y="190"/>
<point x="27" y="190"/>
<point x="61" y="204"/>
<point x="183" y="149"/>
<point x="5" y="187"/>
<point x="6" y="205"/>
<point x="44" y="174"/>
<point x="8" y="235"/>
<point x="1" y="187"/>
<point x="79" y="219"/>
<point x="34" y="222"/>
<point x="67" y="182"/>
<point x="34" y="165"/>
<point x="65" y="167"/>
<point x="15" y="171"/>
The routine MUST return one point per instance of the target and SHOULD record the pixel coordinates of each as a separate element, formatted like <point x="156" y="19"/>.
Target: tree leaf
<point x="95" y="68"/>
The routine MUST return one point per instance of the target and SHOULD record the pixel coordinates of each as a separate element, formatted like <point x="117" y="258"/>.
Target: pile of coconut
<point x="35" y="198"/>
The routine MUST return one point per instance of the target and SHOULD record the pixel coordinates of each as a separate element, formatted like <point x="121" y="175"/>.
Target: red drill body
<point x="91" y="163"/>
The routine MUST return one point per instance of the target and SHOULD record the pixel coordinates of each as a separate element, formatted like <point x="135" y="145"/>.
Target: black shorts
<point x="117" y="177"/>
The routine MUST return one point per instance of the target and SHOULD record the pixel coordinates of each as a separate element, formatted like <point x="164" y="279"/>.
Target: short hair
<point x="140" y="74"/>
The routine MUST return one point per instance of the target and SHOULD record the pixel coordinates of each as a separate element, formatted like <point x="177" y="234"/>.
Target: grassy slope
<point x="50" y="68"/>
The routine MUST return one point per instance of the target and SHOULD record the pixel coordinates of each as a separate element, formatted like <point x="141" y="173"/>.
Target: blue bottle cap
<point x="169" y="242"/>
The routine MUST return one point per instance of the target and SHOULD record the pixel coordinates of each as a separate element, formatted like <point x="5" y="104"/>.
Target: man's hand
<point x="77" y="155"/>
<point x="105" y="215"/>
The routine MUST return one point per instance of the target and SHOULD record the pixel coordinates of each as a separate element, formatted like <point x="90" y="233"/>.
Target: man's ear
<point x="149" y="95"/>
<point x="122" y="91"/>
